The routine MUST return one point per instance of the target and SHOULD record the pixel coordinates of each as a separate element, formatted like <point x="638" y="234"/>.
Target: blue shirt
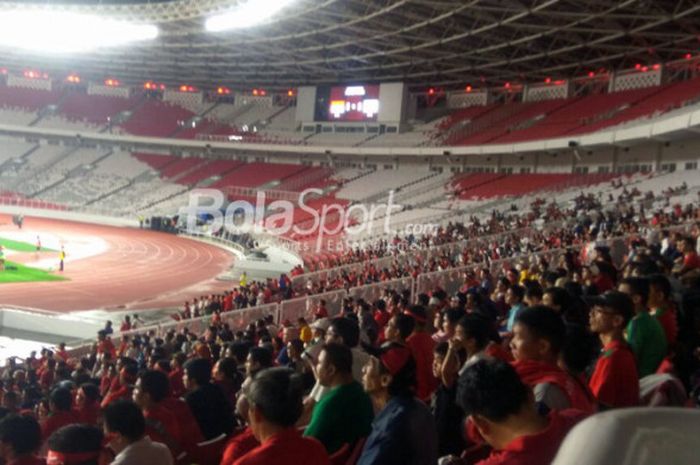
<point x="403" y="433"/>
<point x="282" y="357"/>
<point x="512" y="315"/>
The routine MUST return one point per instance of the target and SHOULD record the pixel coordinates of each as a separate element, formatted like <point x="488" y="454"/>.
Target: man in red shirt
<point x="127" y="378"/>
<point x="190" y="433"/>
<point x="126" y="324"/>
<point x="48" y="374"/>
<point x="87" y="402"/>
<point x="538" y="338"/>
<point x="60" y="412"/>
<point x="176" y="386"/>
<point x="275" y="405"/>
<point x="422" y="346"/>
<point x="615" y="381"/>
<point x="503" y="410"/>
<point x="691" y="260"/>
<point x="104" y="344"/>
<point x="162" y="425"/>
<point x="20" y="437"/>
<point x="62" y="353"/>
<point x="321" y="311"/>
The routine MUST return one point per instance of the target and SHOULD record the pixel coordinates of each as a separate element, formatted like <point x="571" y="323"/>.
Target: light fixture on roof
<point x="64" y="32"/>
<point x="249" y="14"/>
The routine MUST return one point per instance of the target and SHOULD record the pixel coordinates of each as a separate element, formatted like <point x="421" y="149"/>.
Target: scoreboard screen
<point x="353" y="103"/>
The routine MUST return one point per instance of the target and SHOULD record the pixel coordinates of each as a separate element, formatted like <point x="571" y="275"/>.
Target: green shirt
<point x="648" y="342"/>
<point x="343" y="415"/>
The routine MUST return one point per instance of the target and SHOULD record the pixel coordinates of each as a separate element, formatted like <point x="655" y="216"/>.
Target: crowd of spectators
<point x="502" y="235"/>
<point x="495" y="373"/>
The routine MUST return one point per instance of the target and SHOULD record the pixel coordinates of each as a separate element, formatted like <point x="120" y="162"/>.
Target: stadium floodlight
<point x="65" y="32"/>
<point x="249" y="14"/>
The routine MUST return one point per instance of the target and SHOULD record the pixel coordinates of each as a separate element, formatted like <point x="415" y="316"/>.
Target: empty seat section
<point x="594" y="112"/>
<point x="209" y="170"/>
<point x="668" y="98"/>
<point x="314" y="176"/>
<point x="257" y="174"/>
<point x="470" y="181"/>
<point x="180" y="166"/>
<point x="30" y="99"/>
<point x="522" y="184"/>
<point x="157" y="119"/>
<point x="153" y="160"/>
<point x="381" y="181"/>
<point x="508" y="130"/>
<point x="94" y="108"/>
<point x="485" y="121"/>
<point x="206" y="126"/>
<point x="464" y="114"/>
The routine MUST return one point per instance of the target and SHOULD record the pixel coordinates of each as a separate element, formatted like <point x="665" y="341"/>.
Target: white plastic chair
<point x="635" y="436"/>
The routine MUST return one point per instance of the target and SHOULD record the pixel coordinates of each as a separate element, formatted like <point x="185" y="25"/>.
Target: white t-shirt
<point x="144" y="451"/>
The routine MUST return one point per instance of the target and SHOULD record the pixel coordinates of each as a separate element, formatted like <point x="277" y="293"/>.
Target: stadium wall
<point x="66" y="215"/>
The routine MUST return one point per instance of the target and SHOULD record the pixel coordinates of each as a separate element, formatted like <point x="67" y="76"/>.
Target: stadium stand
<point x="156" y="118"/>
<point x="95" y="109"/>
<point x="532" y="298"/>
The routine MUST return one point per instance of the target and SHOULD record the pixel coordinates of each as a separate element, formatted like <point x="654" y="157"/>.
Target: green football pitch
<point x="16" y="273"/>
<point x="21" y="246"/>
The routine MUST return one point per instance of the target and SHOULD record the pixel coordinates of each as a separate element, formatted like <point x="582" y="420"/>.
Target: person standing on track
<point x="38" y="244"/>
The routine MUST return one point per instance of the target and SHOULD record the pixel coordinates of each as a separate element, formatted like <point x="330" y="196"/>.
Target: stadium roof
<point x="448" y="43"/>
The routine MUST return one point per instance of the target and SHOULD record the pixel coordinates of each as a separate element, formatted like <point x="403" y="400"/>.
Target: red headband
<point x="63" y="458"/>
<point x="395" y="359"/>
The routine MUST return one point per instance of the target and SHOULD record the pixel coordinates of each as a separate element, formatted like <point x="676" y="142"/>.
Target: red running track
<point x="141" y="269"/>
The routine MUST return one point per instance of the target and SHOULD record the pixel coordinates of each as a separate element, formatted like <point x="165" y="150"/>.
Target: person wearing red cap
<point x="503" y="410"/>
<point x="422" y="346"/>
<point x="20" y="437"/>
<point x="403" y="432"/>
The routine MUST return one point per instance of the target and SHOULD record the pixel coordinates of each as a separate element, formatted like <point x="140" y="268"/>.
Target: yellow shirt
<point x="305" y="334"/>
